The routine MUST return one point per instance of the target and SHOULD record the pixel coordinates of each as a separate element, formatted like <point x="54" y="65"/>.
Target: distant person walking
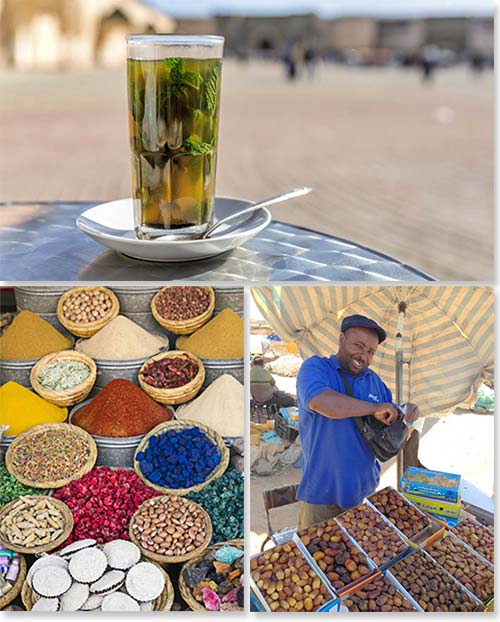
<point x="293" y="57"/>
<point x="429" y="60"/>
<point x="310" y="59"/>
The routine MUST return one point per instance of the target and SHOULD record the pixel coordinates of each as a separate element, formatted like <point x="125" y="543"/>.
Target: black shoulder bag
<point x="385" y="441"/>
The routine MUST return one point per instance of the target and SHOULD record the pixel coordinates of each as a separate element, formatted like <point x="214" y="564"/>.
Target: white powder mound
<point x="121" y="340"/>
<point x="220" y="407"/>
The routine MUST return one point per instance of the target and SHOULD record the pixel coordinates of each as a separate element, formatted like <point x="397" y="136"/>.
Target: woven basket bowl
<point x="185" y="591"/>
<point x="171" y="559"/>
<point x="92" y="457"/>
<point x="12" y="594"/>
<point x="179" y="395"/>
<point x="91" y="328"/>
<point x="69" y="397"/>
<point x="43" y="548"/>
<point x="164" y="601"/>
<point x="182" y="425"/>
<point x="184" y="327"/>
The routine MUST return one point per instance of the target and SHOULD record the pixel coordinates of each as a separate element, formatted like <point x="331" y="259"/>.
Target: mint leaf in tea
<point x="173" y="127"/>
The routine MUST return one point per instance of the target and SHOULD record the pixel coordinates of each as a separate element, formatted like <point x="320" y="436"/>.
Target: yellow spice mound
<point x="21" y="409"/>
<point x="221" y="338"/>
<point x="31" y="337"/>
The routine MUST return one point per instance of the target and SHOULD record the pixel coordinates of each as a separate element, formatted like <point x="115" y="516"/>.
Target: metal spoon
<point x="298" y="192"/>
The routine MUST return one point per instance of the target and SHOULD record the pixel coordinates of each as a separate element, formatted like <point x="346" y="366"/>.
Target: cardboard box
<point x="433" y="484"/>
<point x="435" y="506"/>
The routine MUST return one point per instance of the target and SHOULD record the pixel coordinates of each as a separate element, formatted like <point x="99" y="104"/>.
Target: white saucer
<point x="112" y="224"/>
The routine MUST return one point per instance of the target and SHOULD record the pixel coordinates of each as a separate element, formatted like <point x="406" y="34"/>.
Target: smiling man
<point x="338" y="468"/>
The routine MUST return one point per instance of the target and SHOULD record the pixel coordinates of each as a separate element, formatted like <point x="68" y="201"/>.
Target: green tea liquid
<point x="173" y="117"/>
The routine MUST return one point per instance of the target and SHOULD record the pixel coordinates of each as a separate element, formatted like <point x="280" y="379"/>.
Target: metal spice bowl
<point x="17" y="371"/>
<point x="38" y="299"/>
<point x="135" y="299"/>
<point x="114" y="451"/>
<point x="218" y="367"/>
<point x="232" y="297"/>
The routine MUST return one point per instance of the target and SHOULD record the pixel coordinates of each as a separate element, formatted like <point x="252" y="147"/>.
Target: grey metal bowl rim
<point x="223" y="362"/>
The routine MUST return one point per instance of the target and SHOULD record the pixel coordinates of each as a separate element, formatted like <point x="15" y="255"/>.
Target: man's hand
<point x="412" y="413"/>
<point x="386" y="413"/>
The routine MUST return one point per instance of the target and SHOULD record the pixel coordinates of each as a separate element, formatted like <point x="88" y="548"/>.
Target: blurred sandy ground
<point x="397" y="165"/>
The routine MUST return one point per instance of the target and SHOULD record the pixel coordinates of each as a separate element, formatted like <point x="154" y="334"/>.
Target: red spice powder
<point x="121" y="409"/>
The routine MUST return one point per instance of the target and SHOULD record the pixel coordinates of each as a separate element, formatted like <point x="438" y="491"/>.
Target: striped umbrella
<point x="444" y="333"/>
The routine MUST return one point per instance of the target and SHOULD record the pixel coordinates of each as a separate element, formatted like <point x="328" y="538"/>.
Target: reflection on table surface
<point x="40" y="242"/>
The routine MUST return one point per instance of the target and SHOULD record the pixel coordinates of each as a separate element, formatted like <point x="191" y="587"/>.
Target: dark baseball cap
<point x="352" y="321"/>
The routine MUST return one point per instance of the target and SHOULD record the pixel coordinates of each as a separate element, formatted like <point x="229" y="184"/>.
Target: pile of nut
<point x="478" y="537"/>
<point x="334" y="553"/>
<point x="184" y="302"/>
<point x="169" y="525"/>
<point x="399" y="512"/>
<point x="378" y="595"/>
<point x="32" y="522"/>
<point x="86" y="305"/>
<point x="286" y="581"/>
<point x="465" y="566"/>
<point x="430" y="586"/>
<point x="373" y="534"/>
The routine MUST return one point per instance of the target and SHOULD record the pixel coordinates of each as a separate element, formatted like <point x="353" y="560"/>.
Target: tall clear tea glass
<point x="173" y="97"/>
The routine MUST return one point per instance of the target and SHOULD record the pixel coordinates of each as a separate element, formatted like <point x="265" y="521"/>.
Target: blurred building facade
<point x="60" y="34"/>
<point x="68" y="34"/>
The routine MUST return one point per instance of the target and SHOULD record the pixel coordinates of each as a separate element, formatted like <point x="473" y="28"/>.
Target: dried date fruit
<point x="399" y="512"/>
<point x="478" y="537"/>
<point x="378" y="595"/>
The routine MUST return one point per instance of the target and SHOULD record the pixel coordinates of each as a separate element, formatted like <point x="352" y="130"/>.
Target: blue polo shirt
<point x="337" y="466"/>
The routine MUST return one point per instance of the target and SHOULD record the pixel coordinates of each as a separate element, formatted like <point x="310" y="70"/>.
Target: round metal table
<point x="40" y="242"/>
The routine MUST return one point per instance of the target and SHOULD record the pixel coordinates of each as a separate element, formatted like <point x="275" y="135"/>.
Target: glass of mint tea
<point x="173" y="97"/>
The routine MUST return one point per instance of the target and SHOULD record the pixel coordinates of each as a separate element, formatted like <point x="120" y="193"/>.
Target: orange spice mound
<point x="121" y="409"/>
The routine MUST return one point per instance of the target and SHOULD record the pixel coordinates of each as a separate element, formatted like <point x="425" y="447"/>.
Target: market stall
<point x="121" y="479"/>
<point x="417" y="547"/>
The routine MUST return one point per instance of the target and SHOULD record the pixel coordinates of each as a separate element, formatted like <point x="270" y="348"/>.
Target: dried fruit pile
<point x="334" y="553"/>
<point x="286" y="581"/>
<point x="465" y="566"/>
<point x="379" y="595"/>
<point x="216" y="579"/>
<point x="380" y="541"/>
<point x="169" y="525"/>
<point x="179" y="303"/>
<point x="430" y="586"/>
<point x="102" y="503"/>
<point x="399" y="512"/>
<point x="178" y="458"/>
<point x="478" y="537"/>
<point x="170" y="372"/>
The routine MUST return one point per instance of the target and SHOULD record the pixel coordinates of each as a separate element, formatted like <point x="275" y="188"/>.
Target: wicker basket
<point x="43" y="548"/>
<point x="54" y="483"/>
<point x="183" y="425"/>
<point x="172" y="559"/>
<point x="69" y="397"/>
<point x="164" y="601"/>
<point x="185" y="591"/>
<point x="184" y="327"/>
<point x="179" y="395"/>
<point x="91" y="328"/>
<point x="12" y="594"/>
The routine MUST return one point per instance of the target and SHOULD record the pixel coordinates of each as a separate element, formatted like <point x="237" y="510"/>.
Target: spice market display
<point x="108" y="500"/>
<point x="384" y="555"/>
